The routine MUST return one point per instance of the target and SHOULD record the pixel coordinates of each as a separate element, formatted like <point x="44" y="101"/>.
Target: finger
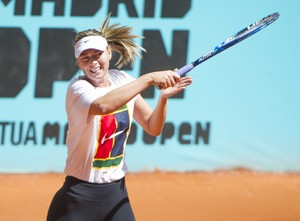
<point x="186" y="80"/>
<point x="172" y="81"/>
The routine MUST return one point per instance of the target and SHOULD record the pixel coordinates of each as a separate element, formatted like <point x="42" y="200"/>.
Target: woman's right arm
<point x="116" y="98"/>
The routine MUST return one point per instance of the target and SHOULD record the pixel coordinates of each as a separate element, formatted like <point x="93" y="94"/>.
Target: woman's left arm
<point x="152" y="121"/>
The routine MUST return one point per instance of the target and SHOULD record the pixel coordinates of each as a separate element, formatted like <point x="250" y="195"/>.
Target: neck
<point x="98" y="82"/>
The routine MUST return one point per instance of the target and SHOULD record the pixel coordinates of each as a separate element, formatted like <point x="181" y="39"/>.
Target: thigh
<point x="78" y="209"/>
<point x="119" y="209"/>
<point x="57" y="205"/>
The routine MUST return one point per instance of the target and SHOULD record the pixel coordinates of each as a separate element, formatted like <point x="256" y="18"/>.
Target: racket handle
<point x="185" y="69"/>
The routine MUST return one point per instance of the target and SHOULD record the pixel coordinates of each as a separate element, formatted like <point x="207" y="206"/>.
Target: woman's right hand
<point x="164" y="79"/>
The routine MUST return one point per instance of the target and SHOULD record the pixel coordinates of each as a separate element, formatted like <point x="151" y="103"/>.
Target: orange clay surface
<point x="236" y="195"/>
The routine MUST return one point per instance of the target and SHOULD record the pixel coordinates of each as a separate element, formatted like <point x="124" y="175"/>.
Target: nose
<point x="94" y="60"/>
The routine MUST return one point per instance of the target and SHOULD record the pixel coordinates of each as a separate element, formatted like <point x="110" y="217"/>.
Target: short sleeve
<point x="80" y="96"/>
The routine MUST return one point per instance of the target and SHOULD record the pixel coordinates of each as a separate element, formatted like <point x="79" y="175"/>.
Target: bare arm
<point x="115" y="99"/>
<point x="152" y="121"/>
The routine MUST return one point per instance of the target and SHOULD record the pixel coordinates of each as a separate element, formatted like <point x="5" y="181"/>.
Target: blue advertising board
<point x="242" y="110"/>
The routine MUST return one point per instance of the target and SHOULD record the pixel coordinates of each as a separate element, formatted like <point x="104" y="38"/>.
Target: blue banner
<point x="242" y="109"/>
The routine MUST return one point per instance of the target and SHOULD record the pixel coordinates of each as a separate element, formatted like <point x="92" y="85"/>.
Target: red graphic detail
<point x="107" y="127"/>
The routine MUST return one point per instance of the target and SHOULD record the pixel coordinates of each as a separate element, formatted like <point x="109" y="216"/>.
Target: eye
<point x="98" y="54"/>
<point x="85" y="59"/>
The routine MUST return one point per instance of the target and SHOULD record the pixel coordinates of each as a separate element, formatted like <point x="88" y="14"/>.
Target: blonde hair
<point x="119" y="38"/>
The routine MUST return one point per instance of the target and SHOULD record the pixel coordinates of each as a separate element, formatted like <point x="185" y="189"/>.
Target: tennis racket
<point x="238" y="37"/>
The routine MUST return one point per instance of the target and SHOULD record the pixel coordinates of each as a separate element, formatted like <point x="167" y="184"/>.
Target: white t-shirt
<point x="96" y="144"/>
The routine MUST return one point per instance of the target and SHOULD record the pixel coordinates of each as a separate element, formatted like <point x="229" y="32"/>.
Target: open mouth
<point x="95" y="70"/>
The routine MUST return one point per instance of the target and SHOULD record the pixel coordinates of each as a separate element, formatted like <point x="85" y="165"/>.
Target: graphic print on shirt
<point x="111" y="139"/>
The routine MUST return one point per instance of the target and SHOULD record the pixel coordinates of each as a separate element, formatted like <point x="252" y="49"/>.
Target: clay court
<point x="237" y="195"/>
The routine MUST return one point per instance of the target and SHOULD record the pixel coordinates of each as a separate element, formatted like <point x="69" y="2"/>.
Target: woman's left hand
<point x="181" y="85"/>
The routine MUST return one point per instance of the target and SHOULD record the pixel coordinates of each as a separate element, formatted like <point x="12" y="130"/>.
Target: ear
<point x="109" y="52"/>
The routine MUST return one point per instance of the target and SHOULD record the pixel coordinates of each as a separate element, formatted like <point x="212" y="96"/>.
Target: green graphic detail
<point x="105" y="163"/>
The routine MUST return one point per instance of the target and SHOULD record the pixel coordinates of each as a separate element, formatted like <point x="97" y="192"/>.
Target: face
<point x="95" y="64"/>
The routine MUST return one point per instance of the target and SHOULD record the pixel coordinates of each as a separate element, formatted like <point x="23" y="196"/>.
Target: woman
<point x="100" y="106"/>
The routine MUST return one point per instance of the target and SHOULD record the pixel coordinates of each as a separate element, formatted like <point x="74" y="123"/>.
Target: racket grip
<point x="185" y="69"/>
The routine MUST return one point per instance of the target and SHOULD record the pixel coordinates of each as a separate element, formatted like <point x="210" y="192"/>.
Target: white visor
<point x="90" y="42"/>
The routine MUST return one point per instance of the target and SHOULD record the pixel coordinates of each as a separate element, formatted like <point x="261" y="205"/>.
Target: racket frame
<point x="238" y="37"/>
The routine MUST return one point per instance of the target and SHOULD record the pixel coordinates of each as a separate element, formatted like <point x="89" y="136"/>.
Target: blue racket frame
<point x="238" y="37"/>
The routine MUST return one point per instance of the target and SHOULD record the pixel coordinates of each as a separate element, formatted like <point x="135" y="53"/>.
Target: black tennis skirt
<point x="79" y="200"/>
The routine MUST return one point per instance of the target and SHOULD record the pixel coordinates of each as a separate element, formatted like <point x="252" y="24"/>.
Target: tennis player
<point x="101" y="105"/>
